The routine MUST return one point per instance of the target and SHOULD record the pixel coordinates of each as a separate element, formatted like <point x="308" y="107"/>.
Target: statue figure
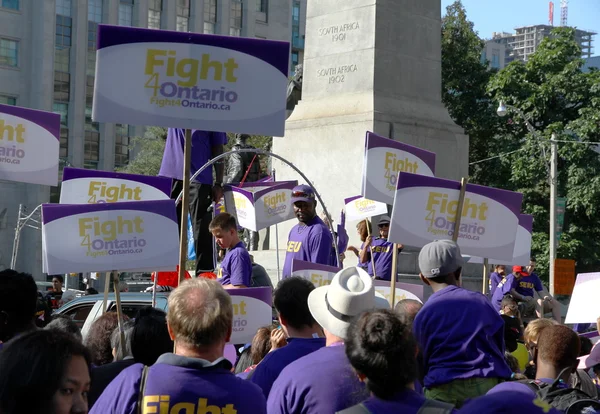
<point x="240" y="165"/>
<point x="294" y="90"/>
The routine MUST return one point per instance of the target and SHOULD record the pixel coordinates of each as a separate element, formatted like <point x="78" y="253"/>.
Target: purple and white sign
<point x="522" y="252"/>
<point x="318" y="274"/>
<point x="359" y="208"/>
<point x="425" y="210"/>
<point x="260" y="205"/>
<point x="141" y="235"/>
<point x="403" y="291"/>
<point x="29" y="145"/>
<point x="81" y="186"/>
<point x="251" y="311"/>
<point x="189" y="80"/>
<point x="384" y="159"/>
<point x="584" y="306"/>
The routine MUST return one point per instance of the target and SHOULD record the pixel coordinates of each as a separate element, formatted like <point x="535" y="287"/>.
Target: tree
<point x="149" y="155"/>
<point x="557" y="97"/>
<point x="464" y="82"/>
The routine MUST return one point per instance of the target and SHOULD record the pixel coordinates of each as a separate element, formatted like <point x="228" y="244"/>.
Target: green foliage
<point x="556" y="97"/>
<point x="149" y="150"/>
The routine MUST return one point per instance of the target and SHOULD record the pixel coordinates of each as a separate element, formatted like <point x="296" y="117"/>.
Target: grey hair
<point x="115" y="340"/>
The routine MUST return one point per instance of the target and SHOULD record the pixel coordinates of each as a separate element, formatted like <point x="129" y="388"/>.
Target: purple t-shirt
<point x="405" y="402"/>
<point x="503" y="288"/>
<point x="311" y="242"/>
<point x="526" y="285"/>
<point x="495" y="279"/>
<point x="187" y="385"/>
<point x="382" y="250"/>
<point x="236" y="268"/>
<point x="322" y="382"/>
<point x="461" y="336"/>
<point x="271" y="366"/>
<point x="202" y="143"/>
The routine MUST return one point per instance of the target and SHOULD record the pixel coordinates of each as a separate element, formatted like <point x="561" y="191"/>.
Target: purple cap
<point x="514" y="402"/>
<point x="303" y="193"/>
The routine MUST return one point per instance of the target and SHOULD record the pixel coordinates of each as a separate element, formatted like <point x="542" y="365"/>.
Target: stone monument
<point x="368" y="65"/>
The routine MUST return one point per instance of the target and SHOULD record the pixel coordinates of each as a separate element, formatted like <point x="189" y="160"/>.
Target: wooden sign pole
<point x="485" y="276"/>
<point x="107" y="277"/>
<point x="185" y="203"/>
<point x="371" y="249"/>
<point x="459" y="208"/>
<point x="115" y="277"/>
<point x="394" y="273"/>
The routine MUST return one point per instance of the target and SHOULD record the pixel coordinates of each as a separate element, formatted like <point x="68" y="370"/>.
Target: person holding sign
<point x="460" y="334"/>
<point x="236" y="268"/>
<point x="496" y="277"/>
<point x="380" y="267"/>
<point x="196" y="378"/>
<point x="310" y="240"/>
<point x="205" y="145"/>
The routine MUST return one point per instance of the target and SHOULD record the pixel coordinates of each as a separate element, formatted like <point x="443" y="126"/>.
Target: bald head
<point x="407" y="310"/>
<point x="200" y="313"/>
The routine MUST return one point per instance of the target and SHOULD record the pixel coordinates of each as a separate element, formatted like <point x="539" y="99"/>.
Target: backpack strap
<point x="356" y="409"/>
<point x="140" y="402"/>
<point x="435" y="407"/>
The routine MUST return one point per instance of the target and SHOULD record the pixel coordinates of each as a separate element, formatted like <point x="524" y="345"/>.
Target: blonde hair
<point x="535" y="327"/>
<point x="200" y="313"/>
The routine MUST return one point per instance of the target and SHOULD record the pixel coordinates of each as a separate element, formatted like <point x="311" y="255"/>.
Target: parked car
<point x="86" y="309"/>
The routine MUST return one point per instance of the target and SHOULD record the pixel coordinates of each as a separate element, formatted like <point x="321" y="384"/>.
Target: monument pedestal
<point x="369" y="65"/>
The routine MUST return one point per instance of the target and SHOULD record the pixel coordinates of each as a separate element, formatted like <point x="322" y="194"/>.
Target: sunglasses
<point x="302" y="194"/>
<point x="381" y="226"/>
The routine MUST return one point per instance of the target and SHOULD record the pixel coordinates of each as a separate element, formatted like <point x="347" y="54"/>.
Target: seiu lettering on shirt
<point x="526" y="285"/>
<point x="294" y="247"/>
<point x="161" y="404"/>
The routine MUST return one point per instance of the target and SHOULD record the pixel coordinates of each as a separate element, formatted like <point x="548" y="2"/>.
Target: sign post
<point x="394" y="273"/>
<point x="459" y="209"/>
<point x="185" y="203"/>
<point x="485" y="276"/>
<point x="115" y="277"/>
<point x="561" y="205"/>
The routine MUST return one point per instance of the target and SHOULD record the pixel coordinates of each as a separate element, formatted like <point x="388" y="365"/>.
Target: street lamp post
<point x="502" y="111"/>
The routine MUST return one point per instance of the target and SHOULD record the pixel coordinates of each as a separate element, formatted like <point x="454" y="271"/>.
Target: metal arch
<point x="270" y="154"/>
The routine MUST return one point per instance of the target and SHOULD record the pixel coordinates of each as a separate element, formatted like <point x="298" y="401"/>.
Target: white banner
<point x="359" y="208"/>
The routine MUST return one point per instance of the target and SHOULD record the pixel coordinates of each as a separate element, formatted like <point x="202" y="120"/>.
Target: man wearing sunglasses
<point x="380" y="267"/>
<point x="309" y="240"/>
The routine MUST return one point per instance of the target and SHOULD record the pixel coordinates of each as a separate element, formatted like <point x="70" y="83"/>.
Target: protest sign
<point x="360" y="208"/>
<point x="564" y="276"/>
<point x="111" y="236"/>
<point x="403" y="291"/>
<point x="522" y="251"/>
<point x="189" y="80"/>
<point x="251" y="311"/>
<point x="81" y="186"/>
<point x="425" y="210"/>
<point x="260" y="205"/>
<point x="584" y="306"/>
<point x="384" y="159"/>
<point x="318" y="274"/>
<point x="29" y="145"/>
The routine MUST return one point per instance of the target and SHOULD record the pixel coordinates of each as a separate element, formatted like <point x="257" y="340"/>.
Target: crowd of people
<point x="337" y="348"/>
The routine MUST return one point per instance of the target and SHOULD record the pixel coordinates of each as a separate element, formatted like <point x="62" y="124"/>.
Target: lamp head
<point x="501" y="111"/>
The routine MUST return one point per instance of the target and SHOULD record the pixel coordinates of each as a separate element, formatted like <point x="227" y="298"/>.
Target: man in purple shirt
<point x="303" y="333"/>
<point x="18" y="305"/>
<point x="236" y="268"/>
<point x="496" y="277"/>
<point x="382" y="250"/>
<point x="196" y="378"/>
<point x="309" y="240"/>
<point x="324" y="382"/>
<point x="205" y="145"/>
<point x="459" y="333"/>
<point x="526" y="289"/>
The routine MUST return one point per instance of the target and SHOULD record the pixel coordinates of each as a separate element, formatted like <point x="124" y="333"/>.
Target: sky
<point x="503" y="16"/>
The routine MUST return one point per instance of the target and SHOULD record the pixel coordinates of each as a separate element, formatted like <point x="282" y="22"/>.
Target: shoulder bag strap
<point x="435" y="407"/>
<point x="140" y="403"/>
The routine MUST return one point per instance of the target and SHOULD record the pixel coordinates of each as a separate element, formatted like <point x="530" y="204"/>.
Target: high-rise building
<point x="47" y="62"/>
<point x="494" y="54"/>
<point x="525" y="41"/>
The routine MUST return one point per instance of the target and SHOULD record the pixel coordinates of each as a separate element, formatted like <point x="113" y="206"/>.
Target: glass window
<point x="92" y="146"/>
<point x="64" y="142"/>
<point x="235" y="18"/>
<point x="9" y="52"/>
<point x="153" y="19"/>
<point x="95" y="11"/>
<point x="182" y="24"/>
<point x="126" y="13"/>
<point x="210" y="16"/>
<point x="63" y="110"/>
<point x="63" y="7"/>
<point x="89" y="91"/>
<point x="63" y="31"/>
<point x="89" y="125"/>
<point x="122" y="145"/>
<point x="262" y="6"/>
<point x="91" y="49"/>
<point x="10" y="4"/>
<point x="8" y="100"/>
<point x="80" y="313"/>
<point x="62" y="59"/>
<point x="183" y="15"/>
<point x="61" y="86"/>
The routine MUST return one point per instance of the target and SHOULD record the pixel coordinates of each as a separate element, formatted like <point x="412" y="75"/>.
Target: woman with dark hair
<point x="382" y="351"/>
<point x="150" y="336"/>
<point x="98" y="339"/>
<point x="45" y="371"/>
